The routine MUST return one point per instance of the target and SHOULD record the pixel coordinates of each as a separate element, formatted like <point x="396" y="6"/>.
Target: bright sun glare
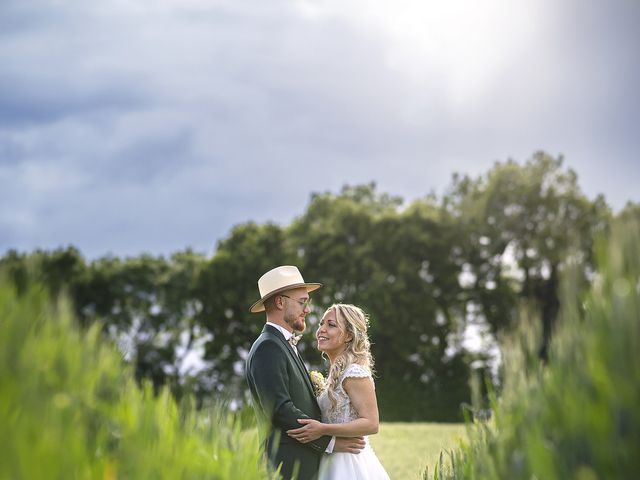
<point x="460" y="43"/>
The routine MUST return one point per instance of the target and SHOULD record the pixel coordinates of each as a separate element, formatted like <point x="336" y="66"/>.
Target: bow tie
<point x="294" y="339"/>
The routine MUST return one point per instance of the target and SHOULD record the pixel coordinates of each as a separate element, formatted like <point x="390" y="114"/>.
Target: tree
<point x="523" y="224"/>
<point x="227" y="287"/>
<point x="423" y="271"/>
<point x="368" y="251"/>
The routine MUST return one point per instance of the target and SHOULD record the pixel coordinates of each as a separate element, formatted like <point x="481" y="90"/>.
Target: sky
<point x="131" y="126"/>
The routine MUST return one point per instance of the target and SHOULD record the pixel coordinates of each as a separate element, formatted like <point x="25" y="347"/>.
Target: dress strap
<point x="356" y="371"/>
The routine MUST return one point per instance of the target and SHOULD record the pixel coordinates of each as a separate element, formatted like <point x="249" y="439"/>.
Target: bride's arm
<point x="363" y="397"/>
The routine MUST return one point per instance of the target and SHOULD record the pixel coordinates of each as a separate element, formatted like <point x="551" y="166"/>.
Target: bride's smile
<point x="331" y="336"/>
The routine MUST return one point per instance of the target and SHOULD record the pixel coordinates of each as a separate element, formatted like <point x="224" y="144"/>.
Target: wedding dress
<point x="341" y="466"/>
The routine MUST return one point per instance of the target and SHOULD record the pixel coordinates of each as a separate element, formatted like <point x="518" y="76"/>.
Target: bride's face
<point x="331" y="334"/>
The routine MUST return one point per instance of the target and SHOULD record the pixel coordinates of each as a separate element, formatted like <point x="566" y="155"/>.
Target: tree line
<point x="423" y="270"/>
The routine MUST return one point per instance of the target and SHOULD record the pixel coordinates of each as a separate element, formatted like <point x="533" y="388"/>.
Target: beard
<point x="295" y="321"/>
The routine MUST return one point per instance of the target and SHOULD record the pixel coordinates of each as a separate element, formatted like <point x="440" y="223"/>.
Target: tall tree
<point x="227" y="287"/>
<point x="370" y="251"/>
<point x="524" y="222"/>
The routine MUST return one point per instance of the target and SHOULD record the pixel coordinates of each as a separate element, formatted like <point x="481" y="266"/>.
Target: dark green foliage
<point x="394" y="264"/>
<point x="536" y="213"/>
<point x="578" y="417"/>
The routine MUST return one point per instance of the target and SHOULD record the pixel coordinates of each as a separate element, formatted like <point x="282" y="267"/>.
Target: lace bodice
<point x="344" y="411"/>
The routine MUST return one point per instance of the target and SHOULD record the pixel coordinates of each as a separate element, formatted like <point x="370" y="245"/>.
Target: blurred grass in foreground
<point x="404" y="449"/>
<point x="70" y="408"/>
<point x="578" y="417"/>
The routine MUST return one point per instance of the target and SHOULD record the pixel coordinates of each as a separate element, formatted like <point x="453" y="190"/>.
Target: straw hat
<point x="278" y="280"/>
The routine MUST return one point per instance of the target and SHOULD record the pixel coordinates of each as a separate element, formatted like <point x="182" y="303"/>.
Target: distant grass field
<point x="405" y="449"/>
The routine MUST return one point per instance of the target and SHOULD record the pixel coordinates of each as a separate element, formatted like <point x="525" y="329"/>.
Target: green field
<point x="405" y="449"/>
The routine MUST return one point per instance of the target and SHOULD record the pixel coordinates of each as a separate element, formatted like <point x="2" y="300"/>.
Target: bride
<point x="348" y="401"/>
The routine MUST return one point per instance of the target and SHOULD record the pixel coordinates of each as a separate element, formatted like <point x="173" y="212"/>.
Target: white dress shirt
<point x="287" y="335"/>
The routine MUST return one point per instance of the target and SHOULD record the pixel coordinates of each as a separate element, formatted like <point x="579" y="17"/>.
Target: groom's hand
<point x="349" y="445"/>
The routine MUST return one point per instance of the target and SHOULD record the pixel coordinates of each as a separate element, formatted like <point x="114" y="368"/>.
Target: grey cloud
<point x="129" y="127"/>
<point x="28" y="101"/>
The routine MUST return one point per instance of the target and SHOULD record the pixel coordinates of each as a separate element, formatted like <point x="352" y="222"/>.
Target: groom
<point x="280" y="386"/>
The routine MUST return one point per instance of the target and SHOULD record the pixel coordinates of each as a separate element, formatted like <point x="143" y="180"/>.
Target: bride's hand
<point x="310" y="431"/>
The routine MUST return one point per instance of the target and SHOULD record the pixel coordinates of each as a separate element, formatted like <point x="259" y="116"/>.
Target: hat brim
<point x="259" y="305"/>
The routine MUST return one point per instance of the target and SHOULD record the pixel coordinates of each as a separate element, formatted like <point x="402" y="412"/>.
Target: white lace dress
<point x="342" y="466"/>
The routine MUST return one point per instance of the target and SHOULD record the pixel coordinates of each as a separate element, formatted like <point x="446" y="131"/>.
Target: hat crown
<point x="279" y="278"/>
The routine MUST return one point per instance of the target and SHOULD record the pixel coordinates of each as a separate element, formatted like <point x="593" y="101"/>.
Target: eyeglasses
<point x="305" y="303"/>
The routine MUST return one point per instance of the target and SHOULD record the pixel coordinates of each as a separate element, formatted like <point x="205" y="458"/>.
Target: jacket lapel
<point x="304" y="370"/>
<point x="306" y="373"/>
<point x="296" y="358"/>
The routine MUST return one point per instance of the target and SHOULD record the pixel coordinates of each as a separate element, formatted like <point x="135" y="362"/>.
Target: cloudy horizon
<point x="153" y="126"/>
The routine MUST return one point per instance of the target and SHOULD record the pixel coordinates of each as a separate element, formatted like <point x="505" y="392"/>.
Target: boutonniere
<point x="318" y="382"/>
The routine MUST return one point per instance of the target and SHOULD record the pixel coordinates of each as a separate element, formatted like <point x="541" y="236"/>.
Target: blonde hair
<point x="354" y="321"/>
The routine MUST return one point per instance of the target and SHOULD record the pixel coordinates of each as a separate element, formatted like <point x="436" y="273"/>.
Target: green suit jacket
<point x="282" y="392"/>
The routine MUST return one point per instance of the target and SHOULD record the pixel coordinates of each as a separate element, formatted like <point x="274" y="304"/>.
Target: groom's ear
<point x="278" y="302"/>
<point x="270" y="304"/>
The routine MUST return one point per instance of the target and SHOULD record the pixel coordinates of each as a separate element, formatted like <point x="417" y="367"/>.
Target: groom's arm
<point x="269" y="371"/>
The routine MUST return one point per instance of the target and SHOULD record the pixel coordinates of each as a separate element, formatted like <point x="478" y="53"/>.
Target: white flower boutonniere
<point x="318" y="382"/>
